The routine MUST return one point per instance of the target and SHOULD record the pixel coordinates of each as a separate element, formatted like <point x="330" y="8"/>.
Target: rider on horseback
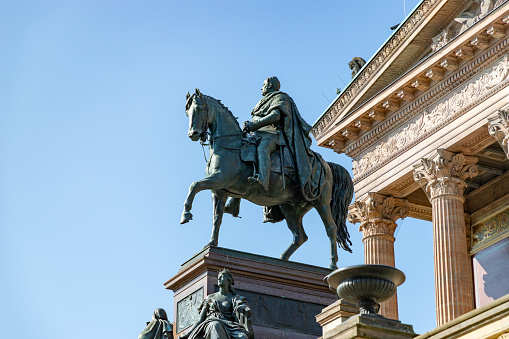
<point x="268" y="125"/>
<point x="278" y="122"/>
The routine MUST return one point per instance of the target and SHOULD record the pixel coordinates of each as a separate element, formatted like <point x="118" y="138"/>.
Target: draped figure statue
<point x="223" y="315"/>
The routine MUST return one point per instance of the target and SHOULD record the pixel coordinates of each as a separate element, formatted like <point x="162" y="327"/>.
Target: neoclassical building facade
<point x="426" y="124"/>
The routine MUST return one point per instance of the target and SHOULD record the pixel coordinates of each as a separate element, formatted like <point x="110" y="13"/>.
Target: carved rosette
<point x="445" y="174"/>
<point x="498" y="127"/>
<point x="377" y="214"/>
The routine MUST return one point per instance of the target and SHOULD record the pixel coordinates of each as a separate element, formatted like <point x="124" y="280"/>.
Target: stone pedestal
<point x="284" y="296"/>
<point x="336" y="314"/>
<point x="373" y="327"/>
<point x="443" y="179"/>
<point x="377" y="215"/>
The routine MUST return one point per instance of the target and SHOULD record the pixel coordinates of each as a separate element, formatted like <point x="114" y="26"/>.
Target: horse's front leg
<point x="197" y="186"/>
<point x="218" y="202"/>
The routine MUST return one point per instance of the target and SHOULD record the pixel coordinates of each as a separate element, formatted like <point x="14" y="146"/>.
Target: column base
<point x="368" y="326"/>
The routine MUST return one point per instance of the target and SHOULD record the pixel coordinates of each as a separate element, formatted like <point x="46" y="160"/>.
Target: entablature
<point x="432" y="78"/>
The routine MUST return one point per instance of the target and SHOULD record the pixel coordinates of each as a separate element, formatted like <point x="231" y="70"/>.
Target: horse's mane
<point x="221" y="105"/>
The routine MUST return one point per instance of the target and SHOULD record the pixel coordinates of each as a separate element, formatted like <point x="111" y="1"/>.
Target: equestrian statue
<point x="268" y="162"/>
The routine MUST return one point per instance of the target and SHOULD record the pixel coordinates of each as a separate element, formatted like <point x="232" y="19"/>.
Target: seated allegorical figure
<point x="159" y="327"/>
<point x="223" y="315"/>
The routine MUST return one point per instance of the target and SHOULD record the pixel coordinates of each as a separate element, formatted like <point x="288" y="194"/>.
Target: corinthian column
<point x="378" y="214"/>
<point x="498" y="127"/>
<point x="443" y="179"/>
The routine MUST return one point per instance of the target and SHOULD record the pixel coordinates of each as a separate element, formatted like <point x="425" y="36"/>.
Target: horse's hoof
<point x="285" y="257"/>
<point x="333" y="266"/>
<point x="186" y="217"/>
<point x="212" y="243"/>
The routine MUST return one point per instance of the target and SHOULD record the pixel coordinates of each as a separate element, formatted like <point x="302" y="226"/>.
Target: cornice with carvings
<point x="445" y="173"/>
<point x="434" y="95"/>
<point x="434" y="117"/>
<point x="370" y="69"/>
<point x="431" y="70"/>
<point x="377" y="214"/>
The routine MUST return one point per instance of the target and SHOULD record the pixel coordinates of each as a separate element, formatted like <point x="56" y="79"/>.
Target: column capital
<point x="377" y="214"/>
<point x="498" y="127"/>
<point x="444" y="173"/>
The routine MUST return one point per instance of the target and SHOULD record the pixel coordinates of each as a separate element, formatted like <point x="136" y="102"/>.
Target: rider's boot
<point x="233" y="207"/>
<point x="263" y="175"/>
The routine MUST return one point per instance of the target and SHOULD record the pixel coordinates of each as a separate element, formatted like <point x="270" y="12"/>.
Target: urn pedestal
<point x="366" y="286"/>
<point x="284" y="296"/>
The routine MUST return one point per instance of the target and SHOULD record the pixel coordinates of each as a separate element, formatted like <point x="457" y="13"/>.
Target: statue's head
<point x="159" y="314"/>
<point x="270" y="85"/>
<point x="225" y="276"/>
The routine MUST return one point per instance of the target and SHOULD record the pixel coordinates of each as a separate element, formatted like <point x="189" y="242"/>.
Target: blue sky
<point x="96" y="162"/>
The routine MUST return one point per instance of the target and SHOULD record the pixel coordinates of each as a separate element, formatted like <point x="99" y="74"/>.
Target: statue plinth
<point x="370" y="326"/>
<point x="284" y="296"/>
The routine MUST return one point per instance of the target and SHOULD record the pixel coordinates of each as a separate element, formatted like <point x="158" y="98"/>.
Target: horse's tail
<point x="342" y="194"/>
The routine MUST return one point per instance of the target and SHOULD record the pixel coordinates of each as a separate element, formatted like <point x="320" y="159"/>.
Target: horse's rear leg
<point x="293" y="216"/>
<point x="324" y="211"/>
<point x="207" y="183"/>
<point x="218" y="202"/>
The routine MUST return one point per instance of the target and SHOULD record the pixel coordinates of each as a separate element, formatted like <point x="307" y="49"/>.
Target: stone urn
<point x="365" y="285"/>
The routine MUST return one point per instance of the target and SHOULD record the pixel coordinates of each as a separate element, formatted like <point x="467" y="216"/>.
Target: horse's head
<point x="197" y="111"/>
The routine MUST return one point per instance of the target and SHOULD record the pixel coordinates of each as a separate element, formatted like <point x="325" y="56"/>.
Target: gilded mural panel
<point x="491" y="227"/>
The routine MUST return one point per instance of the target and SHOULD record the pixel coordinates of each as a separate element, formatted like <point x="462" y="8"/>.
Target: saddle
<point x="248" y="153"/>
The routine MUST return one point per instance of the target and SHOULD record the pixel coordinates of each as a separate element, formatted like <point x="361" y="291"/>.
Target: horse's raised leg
<point x="207" y="183"/>
<point x="330" y="227"/>
<point x="293" y="216"/>
<point x="218" y="202"/>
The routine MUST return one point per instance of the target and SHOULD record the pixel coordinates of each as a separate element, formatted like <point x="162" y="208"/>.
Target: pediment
<point x="430" y="27"/>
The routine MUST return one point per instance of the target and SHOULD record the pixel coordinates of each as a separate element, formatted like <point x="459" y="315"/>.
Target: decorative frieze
<point x="435" y="74"/>
<point x="445" y="174"/>
<point x="435" y="116"/>
<point x="498" y="127"/>
<point x="491" y="228"/>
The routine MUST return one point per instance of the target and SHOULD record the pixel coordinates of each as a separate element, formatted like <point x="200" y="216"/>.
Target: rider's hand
<point x="248" y="126"/>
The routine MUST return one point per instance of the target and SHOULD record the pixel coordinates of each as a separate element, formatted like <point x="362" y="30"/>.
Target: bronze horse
<point x="227" y="176"/>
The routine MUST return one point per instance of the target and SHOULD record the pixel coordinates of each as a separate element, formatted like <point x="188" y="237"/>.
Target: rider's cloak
<point x="309" y="165"/>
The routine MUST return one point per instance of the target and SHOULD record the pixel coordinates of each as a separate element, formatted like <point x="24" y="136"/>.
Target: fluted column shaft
<point x="379" y="250"/>
<point x="443" y="179"/>
<point x="378" y="214"/>
<point x="453" y="270"/>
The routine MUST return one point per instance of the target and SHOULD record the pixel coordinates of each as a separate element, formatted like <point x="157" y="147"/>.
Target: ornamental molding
<point x="498" y="127"/>
<point x="369" y="70"/>
<point x="434" y="117"/>
<point x="434" y="95"/>
<point x="444" y="174"/>
<point x="377" y="214"/>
